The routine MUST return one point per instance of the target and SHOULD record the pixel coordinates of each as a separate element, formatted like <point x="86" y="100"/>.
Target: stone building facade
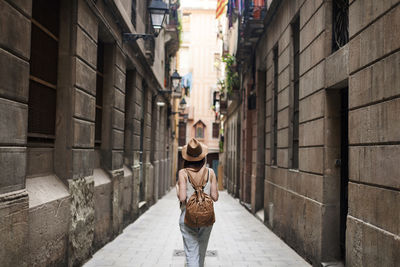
<point x="319" y="140"/>
<point x="79" y="157"/>
<point x="199" y="57"/>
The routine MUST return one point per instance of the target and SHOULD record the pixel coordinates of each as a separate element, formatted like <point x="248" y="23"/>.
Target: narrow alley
<point x="292" y="104"/>
<point x="237" y="239"/>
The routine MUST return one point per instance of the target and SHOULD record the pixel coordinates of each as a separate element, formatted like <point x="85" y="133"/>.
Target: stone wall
<point x="305" y="205"/>
<point x="295" y="203"/>
<point x="372" y="235"/>
<point x="14" y="90"/>
<point x="62" y="200"/>
<point x="232" y="151"/>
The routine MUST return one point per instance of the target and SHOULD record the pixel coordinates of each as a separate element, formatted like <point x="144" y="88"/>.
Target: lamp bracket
<point x="126" y="37"/>
<point x="162" y="92"/>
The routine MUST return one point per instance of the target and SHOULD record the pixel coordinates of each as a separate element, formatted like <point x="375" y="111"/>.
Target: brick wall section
<point x="374" y="99"/>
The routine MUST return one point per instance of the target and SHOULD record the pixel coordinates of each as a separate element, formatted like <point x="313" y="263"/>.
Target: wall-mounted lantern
<point x="158" y="10"/>
<point x="176" y="82"/>
<point x="182" y="105"/>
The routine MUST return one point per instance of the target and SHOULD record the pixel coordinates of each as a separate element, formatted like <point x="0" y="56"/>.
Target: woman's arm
<point x="214" y="185"/>
<point x="182" y="186"/>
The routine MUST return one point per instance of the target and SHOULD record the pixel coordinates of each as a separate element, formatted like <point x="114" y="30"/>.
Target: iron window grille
<point x="295" y="109"/>
<point x="340" y="24"/>
<point x="275" y="109"/>
<point x="99" y="93"/>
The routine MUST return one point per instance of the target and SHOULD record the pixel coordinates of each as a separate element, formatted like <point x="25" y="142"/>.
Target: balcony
<point x="172" y="28"/>
<point x="251" y="26"/>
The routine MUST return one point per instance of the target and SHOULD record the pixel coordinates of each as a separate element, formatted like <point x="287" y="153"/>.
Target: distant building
<point x="199" y="59"/>
<point x="312" y="136"/>
<point x="84" y="145"/>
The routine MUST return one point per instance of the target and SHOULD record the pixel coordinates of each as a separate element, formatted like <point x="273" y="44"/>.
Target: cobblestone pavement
<point x="238" y="238"/>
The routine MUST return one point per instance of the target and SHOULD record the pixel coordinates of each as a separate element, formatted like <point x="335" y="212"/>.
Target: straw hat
<point x="194" y="150"/>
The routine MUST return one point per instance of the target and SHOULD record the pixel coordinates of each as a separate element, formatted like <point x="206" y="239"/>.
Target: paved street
<point x="238" y="238"/>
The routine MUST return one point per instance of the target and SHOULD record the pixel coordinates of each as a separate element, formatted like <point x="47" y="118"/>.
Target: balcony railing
<point x="173" y="17"/>
<point x="251" y="25"/>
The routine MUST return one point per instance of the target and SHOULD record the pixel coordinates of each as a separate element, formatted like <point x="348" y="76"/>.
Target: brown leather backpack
<point x="200" y="206"/>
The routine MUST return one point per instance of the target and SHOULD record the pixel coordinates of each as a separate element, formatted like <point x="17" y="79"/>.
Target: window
<point x="217" y="63"/>
<point x="186" y="21"/>
<point x="340" y="24"/>
<point x="43" y="72"/>
<point x="184" y="60"/>
<point x="215" y="130"/>
<point x="199" y="129"/>
<point x="182" y="134"/>
<point x="186" y="37"/>
<point x="275" y="110"/>
<point x="186" y="33"/>
<point x="133" y="14"/>
<point x="99" y="93"/>
<point x="295" y="107"/>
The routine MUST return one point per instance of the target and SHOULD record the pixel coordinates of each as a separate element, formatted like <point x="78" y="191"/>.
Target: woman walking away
<point x="197" y="189"/>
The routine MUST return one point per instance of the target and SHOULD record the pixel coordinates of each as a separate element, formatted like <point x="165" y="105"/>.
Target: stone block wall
<point x="61" y="202"/>
<point x="372" y="235"/>
<point x="232" y="151"/>
<point x="296" y="195"/>
<point x="14" y="88"/>
<point x="304" y="205"/>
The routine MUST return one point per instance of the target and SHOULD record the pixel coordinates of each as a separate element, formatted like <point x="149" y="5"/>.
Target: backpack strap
<point x="191" y="180"/>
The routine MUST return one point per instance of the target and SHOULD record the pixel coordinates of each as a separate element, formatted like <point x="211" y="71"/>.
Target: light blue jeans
<point x="195" y="241"/>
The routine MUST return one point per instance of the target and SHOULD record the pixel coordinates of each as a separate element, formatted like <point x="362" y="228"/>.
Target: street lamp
<point x="182" y="104"/>
<point x="158" y="10"/>
<point x="176" y="80"/>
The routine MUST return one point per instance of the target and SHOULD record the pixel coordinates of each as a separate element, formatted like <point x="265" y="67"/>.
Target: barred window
<point x="295" y="103"/>
<point x="99" y="93"/>
<point x="43" y="72"/>
<point x="274" y="135"/>
<point x="340" y="24"/>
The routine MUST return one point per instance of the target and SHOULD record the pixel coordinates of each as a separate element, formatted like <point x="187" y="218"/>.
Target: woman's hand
<point x="182" y="186"/>
<point x="214" y="185"/>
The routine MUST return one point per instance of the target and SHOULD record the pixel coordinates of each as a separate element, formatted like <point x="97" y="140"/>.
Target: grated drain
<point x="211" y="253"/>
<point x="181" y="253"/>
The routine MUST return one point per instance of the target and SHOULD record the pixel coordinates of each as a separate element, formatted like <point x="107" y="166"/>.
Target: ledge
<point x="100" y="177"/>
<point x="127" y="171"/>
<point x="45" y="189"/>
<point x="337" y="68"/>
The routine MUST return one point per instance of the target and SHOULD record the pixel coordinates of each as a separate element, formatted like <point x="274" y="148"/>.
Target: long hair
<point x="194" y="164"/>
